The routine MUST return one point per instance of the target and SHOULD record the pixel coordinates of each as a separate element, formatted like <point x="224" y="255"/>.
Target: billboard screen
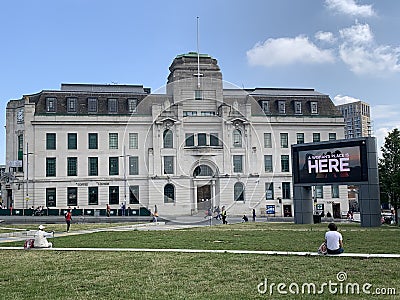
<point x="330" y="162"/>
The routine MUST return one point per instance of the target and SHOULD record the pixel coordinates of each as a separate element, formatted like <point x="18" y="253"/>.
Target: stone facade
<point x="200" y="144"/>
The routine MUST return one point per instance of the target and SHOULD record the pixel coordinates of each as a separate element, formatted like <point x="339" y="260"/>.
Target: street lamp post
<point x="27" y="177"/>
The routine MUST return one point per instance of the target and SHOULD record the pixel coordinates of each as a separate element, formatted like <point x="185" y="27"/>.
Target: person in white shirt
<point x="41" y="238"/>
<point x="333" y="240"/>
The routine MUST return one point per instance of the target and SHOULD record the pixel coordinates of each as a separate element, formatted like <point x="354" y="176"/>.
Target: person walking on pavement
<point x="108" y="209"/>
<point x="68" y="218"/>
<point x="223" y="214"/>
<point x="254" y="214"/>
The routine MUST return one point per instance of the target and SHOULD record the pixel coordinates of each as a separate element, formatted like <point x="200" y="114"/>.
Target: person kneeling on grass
<point x="333" y="240"/>
<point x="41" y="238"/>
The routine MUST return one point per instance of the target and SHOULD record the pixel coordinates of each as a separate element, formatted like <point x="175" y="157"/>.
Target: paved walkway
<point x="22" y="234"/>
<point x="285" y="253"/>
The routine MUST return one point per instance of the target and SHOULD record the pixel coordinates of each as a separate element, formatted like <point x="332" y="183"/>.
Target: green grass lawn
<point x="134" y="275"/>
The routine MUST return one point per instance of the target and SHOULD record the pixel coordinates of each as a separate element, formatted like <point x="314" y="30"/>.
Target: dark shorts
<point x="337" y="251"/>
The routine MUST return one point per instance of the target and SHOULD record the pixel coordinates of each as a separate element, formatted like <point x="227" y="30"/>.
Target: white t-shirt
<point x="332" y="240"/>
<point x="41" y="240"/>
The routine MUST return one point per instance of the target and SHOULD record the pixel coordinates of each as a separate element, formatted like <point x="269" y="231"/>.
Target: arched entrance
<point x="204" y="182"/>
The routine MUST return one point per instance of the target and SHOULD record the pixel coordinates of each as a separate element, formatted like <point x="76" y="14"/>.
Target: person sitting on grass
<point x="333" y="240"/>
<point x="41" y="238"/>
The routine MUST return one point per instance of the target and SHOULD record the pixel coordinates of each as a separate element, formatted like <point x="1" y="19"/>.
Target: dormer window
<point x="92" y="105"/>
<point x="71" y="105"/>
<point x="132" y="105"/>
<point x="112" y="105"/>
<point x="265" y="106"/>
<point x="282" y="107"/>
<point x="314" y="107"/>
<point x="51" y="104"/>
<point x="297" y="107"/>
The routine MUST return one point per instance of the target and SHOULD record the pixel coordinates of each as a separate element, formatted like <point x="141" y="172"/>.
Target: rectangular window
<point x="267" y="140"/>
<point x="133" y="165"/>
<point x="189" y="113"/>
<point x="93" y="141"/>
<point x="134" y="194"/>
<point x="314" y="107"/>
<point x="332" y="136"/>
<point x="268" y="163"/>
<point x="72" y="166"/>
<point x="269" y="191"/>
<point x="50" y="167"/>
<point x="319" y="192"/>
<point x="335" y="191"/>
<point x="132" y="105"/>
<point x="297" y="107"/>
<point x="300" y="138"/>
<point x="316" y="137"/>
<point x="207" y="113"/>
<point x="71" y="105"/>
<point x="201" y="139"/>
<point x="72" y="141"/>
<point x="282" y="106"/>
<point x="20" y="151"/>
<point x="197" y="95"/>
<point x="133" y="140"/>
<point x="284" y="140"/>
<point x="113" y="166"/>
<point x="189" y="139"/>
<point x="92" y="105"/>
<point x="93" y="166"/>
<point x="72" y="196"/>
<point x="113" y="195"/>
<point x="237" y="163"/>
<point x="265" y="106"/>
<point x="214" y="141"/>
<point x="50" y="141"/>
<point x="51" y="104"/>
<point x="237" y="138"/>
<point x="285" y="163"/>
<point x="113" y="140"/>
<point x="168" y="165"/>
<point x="285" y="190"/>
<point x="93" y="193"/>
<point x="51" y="197"/>
<point x="112" y="105"/>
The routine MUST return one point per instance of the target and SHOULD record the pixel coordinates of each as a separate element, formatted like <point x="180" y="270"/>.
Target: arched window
<point x="238" y="191"/>
<point x="203" y="170"/>
<point x="169" y="193"/>
<point x="237" y="138"/>
<point x="168" y="139"/>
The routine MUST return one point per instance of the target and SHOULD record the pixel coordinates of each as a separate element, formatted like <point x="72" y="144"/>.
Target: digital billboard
<point x="330" y="162"/>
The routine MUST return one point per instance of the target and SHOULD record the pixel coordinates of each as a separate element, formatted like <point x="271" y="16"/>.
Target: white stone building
<point x="195" y="145"/>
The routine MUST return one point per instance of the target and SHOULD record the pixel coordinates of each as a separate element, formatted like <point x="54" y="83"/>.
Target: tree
<point x="389" y="170"/>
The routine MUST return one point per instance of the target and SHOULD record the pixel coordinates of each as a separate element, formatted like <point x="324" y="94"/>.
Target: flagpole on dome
<point x="198" y="56"/>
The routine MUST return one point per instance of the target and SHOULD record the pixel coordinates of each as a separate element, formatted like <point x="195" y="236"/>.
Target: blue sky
<point x="348" y="49"/>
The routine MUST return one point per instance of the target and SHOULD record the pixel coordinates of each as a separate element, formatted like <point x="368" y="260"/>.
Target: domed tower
<point x="195" y="81"/>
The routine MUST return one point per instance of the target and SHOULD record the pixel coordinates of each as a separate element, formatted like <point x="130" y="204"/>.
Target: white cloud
<point x="284" y="51"/>
<point x="378" y="61"/>
<point x="350" y="7"/>
<point x="324" y="36"/>
<point x="339" y="99"/>
<point x="384" y="119"/>
<point x="387" y="113"/>
<point x="359" y="51"/>
<point x="357" y="34"/>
